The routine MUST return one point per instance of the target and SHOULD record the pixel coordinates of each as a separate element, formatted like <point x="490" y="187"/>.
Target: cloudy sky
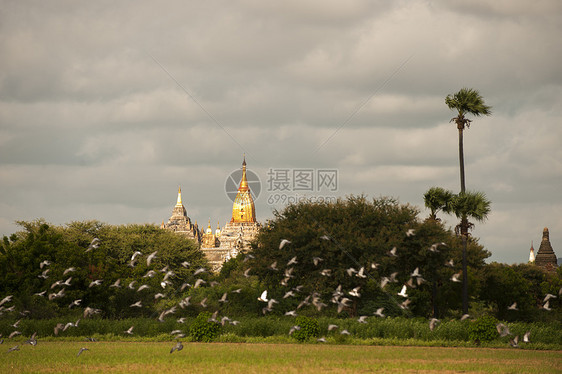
<point x="107" y="107"/>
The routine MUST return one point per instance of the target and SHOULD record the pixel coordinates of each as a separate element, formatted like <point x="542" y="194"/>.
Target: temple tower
<point x="180" y="223"/>
<point x="546" y="258"/>
<point x="243" y="209"/>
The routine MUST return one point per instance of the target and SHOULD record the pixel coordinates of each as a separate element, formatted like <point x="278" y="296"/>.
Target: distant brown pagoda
<point x="545" y="257"/>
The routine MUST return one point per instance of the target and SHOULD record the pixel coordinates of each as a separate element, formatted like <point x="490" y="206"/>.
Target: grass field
<point x="155" y="357"/>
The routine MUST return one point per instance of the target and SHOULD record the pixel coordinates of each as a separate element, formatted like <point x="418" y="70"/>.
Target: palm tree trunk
<point x="464" y="236"/>
<point x="464" y="225"/>
<point x="461" y="156"/>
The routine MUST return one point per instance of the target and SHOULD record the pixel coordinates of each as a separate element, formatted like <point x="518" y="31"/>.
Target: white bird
<point x="116" y="284"/>
<point x="44" y="263"/>
<point x="450" y="263"/>
<point x="132" y="285"/>
<point x="93" y="245"/>
<point x="465" y="316"/>
<point x="96" y="282"/>
<point x="292" y="261"/>
<point x="361" y="273"/>
<point x="513" y="306"/>
<point x="293" y="329"/>
<point x="149" y="274"/>
<point x="273" y="266"/>
<point x="44" y="274"/>
<point x="42" y="293"/>
<point x="203" y="303"/>
<point x="130" y="330"/>
<point x="69" y="270"/>
<point x="199" y="271"/>
<point x="548" y="297"/>
<point x="546" y="306"/>
<point x="432" y="323"/>
<point x="332" y="327"/>
<point x="159" y="296"/>
<point x="137" y="253"/>
<point x="416" y="273"/>
<point x="75" y="303"/>
<point x="316" y="260"/>
<point x="384" y="282"/>
<point x="185" y="264"/>
<point x="67" y="282"/>
<point x="247" y="272"/>
<point x="283" y="243"/>
<point x="527" y="337"/>
<point x="362" y="319"/>
<point x="503" y="330"/>
<point x="289" y="294"/>
<point x="199" y="282"/>
<point x="223" y="298"/>
<point x="325" y="237"/>
<point x="151" y="257"/>
<point x="143" y="287"/>
<point x="345" y="332"/>
<point x="379" y="313"/>
<point x="263" y="297"/>
<point x="392" y="252"/>
<point x="321" y="340"/>
<point x="292" y="313"/>
<point x="355" y="292"/>
<point x="403" y="292"/>
<point x="514" y="342"/>
<point x="138" y="304"/>
<point x="81" y="350"/>
<point x="410" y="232"/>
<point x="326" y="273"/>
<point x="455" y="277"/>
<point x="350" y="271"/>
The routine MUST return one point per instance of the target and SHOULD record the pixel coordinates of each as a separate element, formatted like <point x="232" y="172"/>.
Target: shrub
<point x="203" y="330"/>
<point x="309" y="328"/>
<point x="483" y="329"/>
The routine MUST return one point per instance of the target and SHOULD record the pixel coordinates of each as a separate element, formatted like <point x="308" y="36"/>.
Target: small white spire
<point x="532" y="253"/>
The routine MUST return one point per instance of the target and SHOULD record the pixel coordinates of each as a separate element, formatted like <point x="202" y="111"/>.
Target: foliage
<point x="67" y="247"/>
<point x="483" y="329"/>
<point x="309" y="328"/>
<point x="203" y="329"/>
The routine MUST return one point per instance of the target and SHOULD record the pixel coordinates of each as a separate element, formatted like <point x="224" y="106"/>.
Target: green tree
<point x="466" y="101"/>
<point x="465" y="205"/>
<point x="436" y="199"/>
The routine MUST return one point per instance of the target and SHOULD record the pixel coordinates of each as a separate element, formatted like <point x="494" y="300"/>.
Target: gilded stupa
<point x="236" y="235"/>
<point x="229" y="241"/>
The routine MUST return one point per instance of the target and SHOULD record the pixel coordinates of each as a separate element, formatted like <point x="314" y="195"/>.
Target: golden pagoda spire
<point x="218" y="230"/>
<point x="243" y="209"/>
<point x="179" y="197"/>
<point x="209" y="230"/>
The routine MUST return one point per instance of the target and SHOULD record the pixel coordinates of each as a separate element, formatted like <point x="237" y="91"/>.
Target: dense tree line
<point x="302" y="257"/>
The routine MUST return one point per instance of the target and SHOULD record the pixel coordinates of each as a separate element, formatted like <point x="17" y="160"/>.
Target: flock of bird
<point x="341" y="298"/>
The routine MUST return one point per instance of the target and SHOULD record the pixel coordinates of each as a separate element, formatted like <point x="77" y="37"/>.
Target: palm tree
<point x="466" y="101"/>
<point x="467" y="205"/>
<point x="436" y="199"/>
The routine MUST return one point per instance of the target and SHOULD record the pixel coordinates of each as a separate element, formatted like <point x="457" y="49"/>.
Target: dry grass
<point x="231" y="358"/>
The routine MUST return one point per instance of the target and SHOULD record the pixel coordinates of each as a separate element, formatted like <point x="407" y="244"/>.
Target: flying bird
<point x="116" y="284"/>
<point x="316" y="260"/>
<point x="379" y="312"/>
<point x="410" y="232"/>
<point x="93" y="245"/>
<point x="178" y="347"/>
<point x="137" y="253"/>
<point x="292" y="261"/>
<point x="130" y="330"/>
<point x="455" y="277"/>
<point x="432" y="323"/>
<point x="283" y="243"/>
<point x="513" y="306"/>
<point x="403" y="292"/>
<point x="263" y="297"/>
<point x="392" y="252"/>
<point x="151" y="257"/>
<point x="69" y="270"/>
<point x="138" y="304"/>
<point x="527" y="337"/>
<point x="199" y="271"/>
<point x="361" y="273"/>
<point x="81" y="350"/>
<point x="362" y="319"/>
